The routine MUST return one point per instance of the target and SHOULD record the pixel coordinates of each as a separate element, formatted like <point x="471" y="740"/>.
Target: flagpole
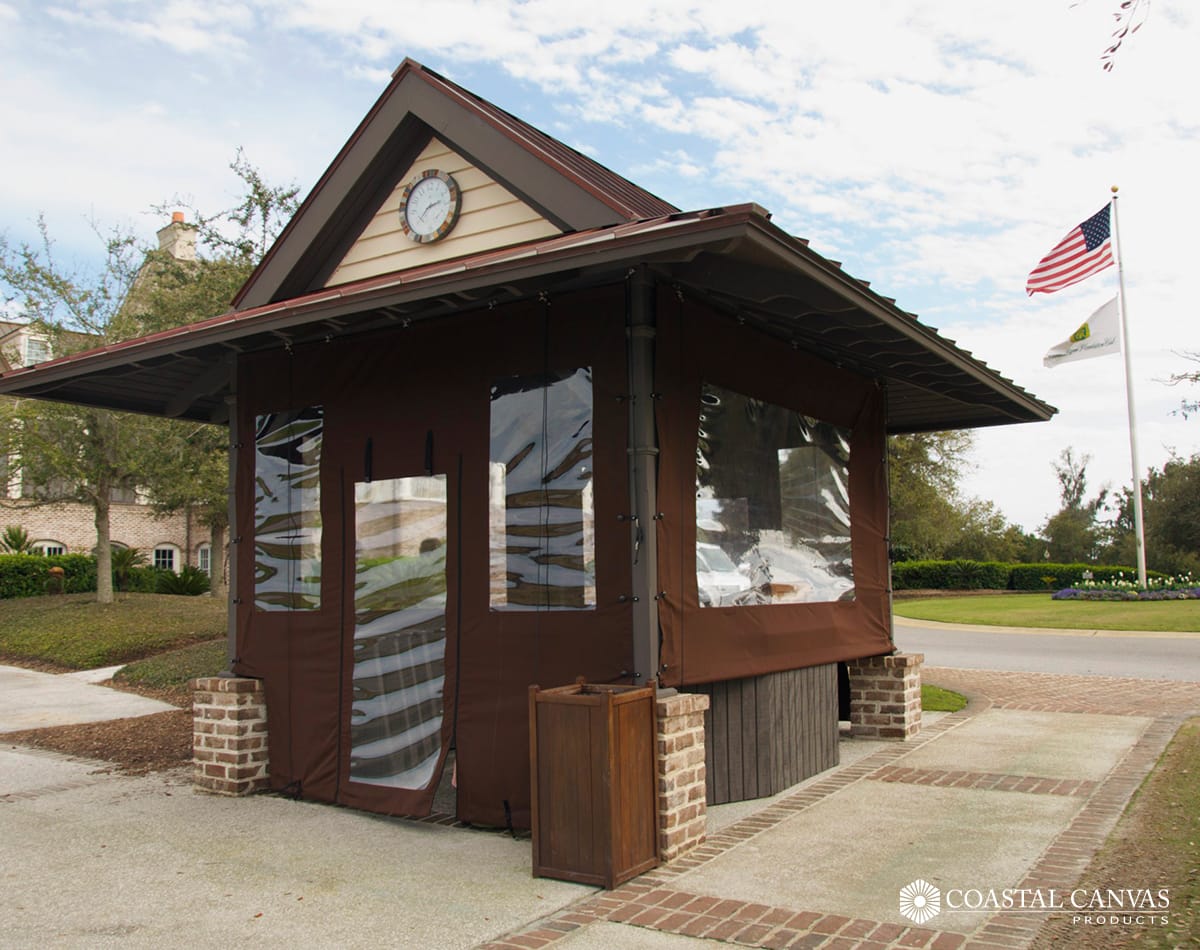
<point x="1138" y="524"/>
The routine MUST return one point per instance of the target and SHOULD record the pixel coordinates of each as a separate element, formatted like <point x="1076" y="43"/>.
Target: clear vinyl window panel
<point x="541" y="508"/>
<point x="287" y="509"/>
<point x="399" y="631"/>
<point x="772" y="504"/>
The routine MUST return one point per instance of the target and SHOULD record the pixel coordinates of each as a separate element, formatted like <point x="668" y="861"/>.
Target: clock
<point x="429" y="206"/>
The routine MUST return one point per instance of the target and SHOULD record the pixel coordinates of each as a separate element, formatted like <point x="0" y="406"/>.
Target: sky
<point x="937" y="148"/>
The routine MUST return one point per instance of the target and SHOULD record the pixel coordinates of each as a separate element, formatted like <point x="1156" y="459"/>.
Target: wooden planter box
<point x="591" y="752"/>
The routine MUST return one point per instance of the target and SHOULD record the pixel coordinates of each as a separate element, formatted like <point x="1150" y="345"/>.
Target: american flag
<point x="1083" y="252"/>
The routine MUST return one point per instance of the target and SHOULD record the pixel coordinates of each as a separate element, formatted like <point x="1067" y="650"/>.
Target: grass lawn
<point x="936" y="699"/>
<point x="1038" y="610"/>
<point x="75" y="632"/>
<point x="176" y="668"/>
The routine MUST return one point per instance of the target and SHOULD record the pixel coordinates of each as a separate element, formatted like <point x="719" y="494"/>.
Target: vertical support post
<point x="887" y="493"/>
<point x="234" y="537"/>
<point x="643" y="472"/>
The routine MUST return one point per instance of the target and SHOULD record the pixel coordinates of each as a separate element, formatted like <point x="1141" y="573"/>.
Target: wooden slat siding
<point x="733" y="767"/>
<point x="767" y="733"/>
<point x="491" y="218"/>
<point x="808" y="754"/>
<point x="770" y="765"/>
<point x="720" y="719"/>
<point x="749" y="745"/>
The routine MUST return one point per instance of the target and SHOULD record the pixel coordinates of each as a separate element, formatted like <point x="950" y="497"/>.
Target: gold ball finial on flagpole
<point x="1114" y="189"/>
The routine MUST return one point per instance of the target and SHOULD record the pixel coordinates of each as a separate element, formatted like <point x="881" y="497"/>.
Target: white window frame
<point x="204" y="558"/>
<point x="49" y="548"/>
<point x="43" y="347"/>
<point x="160" y="550"/>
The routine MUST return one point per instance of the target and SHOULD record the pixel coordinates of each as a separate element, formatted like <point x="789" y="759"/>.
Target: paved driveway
<point x="1090" y="652"/>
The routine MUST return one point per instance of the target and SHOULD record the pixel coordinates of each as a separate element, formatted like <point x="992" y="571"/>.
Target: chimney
<point x="178" y="239"/>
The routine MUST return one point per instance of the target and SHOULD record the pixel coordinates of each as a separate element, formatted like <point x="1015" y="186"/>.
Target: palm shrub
<point x="124" y="560"/>
<point x="15" y="540"/>
<point x="190" y="581"/>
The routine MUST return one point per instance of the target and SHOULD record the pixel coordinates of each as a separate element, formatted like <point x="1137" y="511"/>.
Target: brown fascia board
<point x="670" y="239"/>
<point x="414" y="105"/>
<point x="604" y="248"/>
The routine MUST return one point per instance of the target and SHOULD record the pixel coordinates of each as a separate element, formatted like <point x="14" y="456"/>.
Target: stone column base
<point x="682" y="805"/>
<point x="229" y="735"/>
<point x="885" y="695"/>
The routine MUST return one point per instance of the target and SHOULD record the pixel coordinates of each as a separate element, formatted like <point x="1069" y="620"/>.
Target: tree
<point x="73" y="452"/>
<point x="1187" y="406"/>
<point x="1171" y="508"/>
<point x="83" y="454"/>
<point x="1074" y="533"/>
<point x="985" y="535"/>
<point x="923" y="473"/>
<point x="1129" y="17"/>
<point x="187" y="469"/>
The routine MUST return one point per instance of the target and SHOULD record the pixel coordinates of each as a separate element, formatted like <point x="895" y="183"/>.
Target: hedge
<point x="28" y="575"/>
<point x="950" y="575"/>
<point x="1057" y="576"/>
<point x="993" y="575"/>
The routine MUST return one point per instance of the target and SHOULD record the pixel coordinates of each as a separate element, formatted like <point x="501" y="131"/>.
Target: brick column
<point x="885" y="695"/>
<point x="229" y="735"/>
<point x="682" y="806"/>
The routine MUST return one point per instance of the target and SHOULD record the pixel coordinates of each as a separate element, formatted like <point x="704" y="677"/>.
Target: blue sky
<point x="936" y="148"/>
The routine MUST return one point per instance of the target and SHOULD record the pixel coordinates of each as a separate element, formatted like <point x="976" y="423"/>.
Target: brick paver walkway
<point x="652" y="902"/>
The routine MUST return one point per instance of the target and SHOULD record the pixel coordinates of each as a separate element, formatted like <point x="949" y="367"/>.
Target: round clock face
<point x="429" y="206"/>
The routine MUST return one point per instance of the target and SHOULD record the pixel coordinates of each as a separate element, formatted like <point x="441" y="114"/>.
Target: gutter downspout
<point x="231" y="579"/>
<point x="643" y="475"/>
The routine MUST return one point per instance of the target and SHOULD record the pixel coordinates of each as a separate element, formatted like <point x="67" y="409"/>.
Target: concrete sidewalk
<point x="1016" y="791"/>
<point x="32" y="700"/>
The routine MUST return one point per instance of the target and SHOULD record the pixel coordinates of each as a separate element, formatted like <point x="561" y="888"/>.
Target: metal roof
<point x="734" y="258"/>
<point x="563" y="185"/>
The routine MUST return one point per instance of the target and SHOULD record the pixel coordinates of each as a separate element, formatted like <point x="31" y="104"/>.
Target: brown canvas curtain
<point x="405" y="403"/>
<point x="415" y="402"/>
<point x="701" y="645"/>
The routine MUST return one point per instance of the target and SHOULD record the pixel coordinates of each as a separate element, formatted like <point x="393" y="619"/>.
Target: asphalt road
<point x="1095" y="653"/>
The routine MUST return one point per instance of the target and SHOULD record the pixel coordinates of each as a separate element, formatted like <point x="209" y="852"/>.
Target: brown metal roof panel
<point x="867" y="330"/>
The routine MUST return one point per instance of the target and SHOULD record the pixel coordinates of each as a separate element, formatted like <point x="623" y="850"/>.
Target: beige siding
<point x="491" y="218"/>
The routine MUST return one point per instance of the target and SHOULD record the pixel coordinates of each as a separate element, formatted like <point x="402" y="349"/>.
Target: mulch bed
<point x="134" y="746"/>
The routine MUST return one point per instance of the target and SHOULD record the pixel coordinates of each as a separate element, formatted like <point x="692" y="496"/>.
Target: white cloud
<point x="937" y="147"/>
<point x="186" y="26"/>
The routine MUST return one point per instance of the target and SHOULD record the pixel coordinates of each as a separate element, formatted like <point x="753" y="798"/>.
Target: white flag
<point x="1098" y="336"/>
